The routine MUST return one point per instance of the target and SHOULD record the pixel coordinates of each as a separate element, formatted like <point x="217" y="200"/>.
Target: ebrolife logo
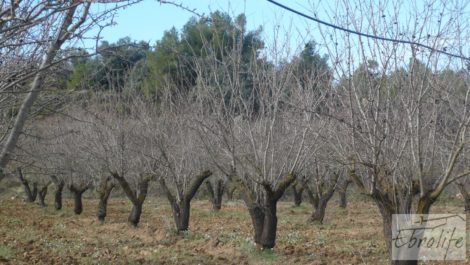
<point x="429" y="237"/>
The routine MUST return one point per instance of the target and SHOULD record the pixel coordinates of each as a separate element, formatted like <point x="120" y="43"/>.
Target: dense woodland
<point x="212" y="106"/>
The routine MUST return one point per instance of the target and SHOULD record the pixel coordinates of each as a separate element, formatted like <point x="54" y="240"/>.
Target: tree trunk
<point x="319" y="212"/>
<point x="136" y="199"/>
<point x="257" y="218"/>
<point x="320" y="202"/>
<point x="264" y="214"/>
<point x="268" y="236"/>
<point x="30" y="195"/>
<point x="297" y="195"/>
<point x="42" y="195"/>
<point x="216" y="193"/>
<point x="181" y="208"/>
<point x="343" y="203"/>
<point x="386" y="211"/>
<point x="424" y="204"/>
<point x="396" y="201"/>
<point x="58" y="196"/>
<point x="58" y="192"/>
<point x="312" y="198"/>
<point x="136" y="212"/>
<point x="102" y="208"/>
<point x="342" y="190"/>
<point x="229" y="191"/>
<point x="181" y="212"/>
<point x="264" y="220"/>
<point x="104" y="192"/>
<point x="466" y="197"/>
<point x="77" y="197"/>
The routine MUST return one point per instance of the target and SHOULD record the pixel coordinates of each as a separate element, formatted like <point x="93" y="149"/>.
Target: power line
<point x="367" y="35"/>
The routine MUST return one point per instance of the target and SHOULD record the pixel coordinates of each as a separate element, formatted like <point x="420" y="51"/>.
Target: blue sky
<point x="149" y="19"/>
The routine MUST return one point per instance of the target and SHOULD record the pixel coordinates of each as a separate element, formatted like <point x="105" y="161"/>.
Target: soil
<point x="30" y="234"/>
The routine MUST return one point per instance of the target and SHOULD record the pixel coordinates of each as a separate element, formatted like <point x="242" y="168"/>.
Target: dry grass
<point x="30" y="234"/>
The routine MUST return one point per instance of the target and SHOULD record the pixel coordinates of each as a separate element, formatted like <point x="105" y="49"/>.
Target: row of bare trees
<point x="391" y="119"/>
<point x="259" y="140"/>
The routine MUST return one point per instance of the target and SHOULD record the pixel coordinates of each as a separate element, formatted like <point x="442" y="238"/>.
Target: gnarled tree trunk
<point x="230" y="189"/>
<point x="181" y="208"/>
<point x="387" y="208"/>
<point x="42" y="195"/>
<point x="264" y="213"/>
<point x="137" y="198"/>
<point x="181" y="213"/>
<point x="342" y="191"/>
<point x="30" y="194"/>
<point x="59" y="184"/>
<point x="136" y="212"/>
<point x="321" y="202"/>
<point x="77" y="192"/>
<point x="398" y="201"/>
<point x="298" y="190"/>
<point x="313" y="200"/>
<point x="215" y="192"/>
<point x="319" y="198"/>
<point x="104" y="191"/>
<point x="319" y="212"/>
<point x="466" y="196"/>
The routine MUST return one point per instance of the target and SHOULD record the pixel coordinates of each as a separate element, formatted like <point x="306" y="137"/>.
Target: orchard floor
<point x="30" y="234"/>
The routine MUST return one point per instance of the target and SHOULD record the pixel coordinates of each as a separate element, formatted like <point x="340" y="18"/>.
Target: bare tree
<point x="31" y="189"/>
<point x="174" y="153"/>
<point x="35" y="157"/>
<point x="402" y="125"/>
<point x="59" y="21"/>
<point x="254" y="128"/>
<point x="111" y="137"/>
<point x="216" y="189"/>
<point x="322" y="185"/>
<point x="35" y="187"/>
<point x="75" y="168"/>
<point x="52" y="150"/>
<point x="33" y="34"/>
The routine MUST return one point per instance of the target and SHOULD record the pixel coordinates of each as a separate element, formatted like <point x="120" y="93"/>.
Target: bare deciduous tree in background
<point x="112" y="138"/>
<point x="254" y="127"/>
<point x="57" y="20"/>
<point x="324" y="179"/>
<point x="32" y="35"/>
<point x="216" y="187"/>
<point x="174" y="153"/>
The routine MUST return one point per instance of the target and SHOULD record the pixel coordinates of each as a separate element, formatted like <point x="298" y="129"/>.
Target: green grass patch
<point x="190" y="235"/>
<point x="6" y="253"/>
<point x="263" y="256"/>
<point x="15" y="222"/>
<point x="266" y="256"/>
